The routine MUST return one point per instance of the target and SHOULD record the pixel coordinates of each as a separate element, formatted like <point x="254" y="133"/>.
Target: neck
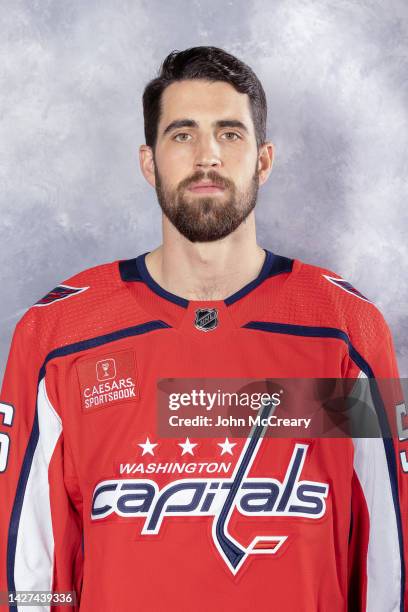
<point x="210" y="270"/>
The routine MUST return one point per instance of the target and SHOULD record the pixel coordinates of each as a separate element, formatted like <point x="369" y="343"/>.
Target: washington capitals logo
<point x="61" y="292"/>
<point x="206" y="319"/>
<point x="219" y="498"/>
<point x="346" y="286"/>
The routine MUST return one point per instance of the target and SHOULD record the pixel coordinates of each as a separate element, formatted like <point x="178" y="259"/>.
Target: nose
<point x="207" y="154"/>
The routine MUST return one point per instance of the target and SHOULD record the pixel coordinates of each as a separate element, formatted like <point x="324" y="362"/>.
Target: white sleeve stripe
<point x="34" y="558"/>
<point x="383" y="557"/>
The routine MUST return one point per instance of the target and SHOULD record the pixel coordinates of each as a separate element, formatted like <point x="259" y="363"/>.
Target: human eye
<point x="231" y="136"/>
<point x="181" y="137"/>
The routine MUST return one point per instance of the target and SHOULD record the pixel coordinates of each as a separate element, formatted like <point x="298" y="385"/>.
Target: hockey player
<point x="97" y="505"/>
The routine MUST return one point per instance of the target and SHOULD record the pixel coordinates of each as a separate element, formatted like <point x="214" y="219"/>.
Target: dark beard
<point x="206" y="219"/>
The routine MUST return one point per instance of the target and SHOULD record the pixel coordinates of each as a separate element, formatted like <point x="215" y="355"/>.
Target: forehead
<point x="198" y="98"/>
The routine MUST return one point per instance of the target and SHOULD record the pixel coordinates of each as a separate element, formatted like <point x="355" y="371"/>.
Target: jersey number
<point x="7" y="413"/>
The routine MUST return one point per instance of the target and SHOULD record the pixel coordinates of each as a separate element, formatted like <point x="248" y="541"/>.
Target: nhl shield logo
<point x="206" y="319"/>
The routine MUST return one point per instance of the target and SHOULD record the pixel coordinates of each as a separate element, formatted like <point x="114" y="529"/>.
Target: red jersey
<point x="94" y="501"/>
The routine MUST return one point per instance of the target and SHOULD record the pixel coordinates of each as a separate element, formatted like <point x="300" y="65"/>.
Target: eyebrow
<point x="221" y="123"/>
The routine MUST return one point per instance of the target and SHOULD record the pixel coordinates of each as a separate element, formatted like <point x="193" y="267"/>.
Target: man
<point x="96" y="501"/>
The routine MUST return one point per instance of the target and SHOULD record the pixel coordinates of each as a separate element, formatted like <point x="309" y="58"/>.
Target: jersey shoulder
<point x="93" y="279"/>
<point x="83" y="306"/>
<point x="329" y="300"/>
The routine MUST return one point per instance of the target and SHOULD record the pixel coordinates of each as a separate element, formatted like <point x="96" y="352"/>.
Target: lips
<point x="205" y="187"/>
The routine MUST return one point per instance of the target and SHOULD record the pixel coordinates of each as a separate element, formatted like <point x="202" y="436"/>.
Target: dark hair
<point x="212" y="64"/>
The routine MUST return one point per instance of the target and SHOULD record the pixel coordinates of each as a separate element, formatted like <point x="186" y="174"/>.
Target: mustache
<point x="219" y="181"/>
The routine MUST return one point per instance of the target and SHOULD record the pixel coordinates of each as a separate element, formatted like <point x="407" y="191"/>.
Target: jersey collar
<point x="135" y="270"/>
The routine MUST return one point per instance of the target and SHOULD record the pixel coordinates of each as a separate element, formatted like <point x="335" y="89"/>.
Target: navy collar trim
<point x="135" y="270"/>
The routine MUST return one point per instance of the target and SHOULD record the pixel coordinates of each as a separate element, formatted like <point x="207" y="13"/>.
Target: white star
<point x="187" y="447"/>
<point x="226" y="446"/>
<point x="147" y="447"/>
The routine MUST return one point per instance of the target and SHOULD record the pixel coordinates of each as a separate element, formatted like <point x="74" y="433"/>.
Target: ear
<point x="146" y="159"/>
<point x="265" y="161"/>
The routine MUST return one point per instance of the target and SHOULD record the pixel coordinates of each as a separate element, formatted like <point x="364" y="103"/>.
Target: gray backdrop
<point x="71" y="79"/>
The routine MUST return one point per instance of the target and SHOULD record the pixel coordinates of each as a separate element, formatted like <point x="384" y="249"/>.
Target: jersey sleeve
<point x="379" y="534"/>
<point x="40" y="525"/>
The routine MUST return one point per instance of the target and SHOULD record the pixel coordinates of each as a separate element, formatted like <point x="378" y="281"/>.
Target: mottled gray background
<point x="71" y="79"/>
